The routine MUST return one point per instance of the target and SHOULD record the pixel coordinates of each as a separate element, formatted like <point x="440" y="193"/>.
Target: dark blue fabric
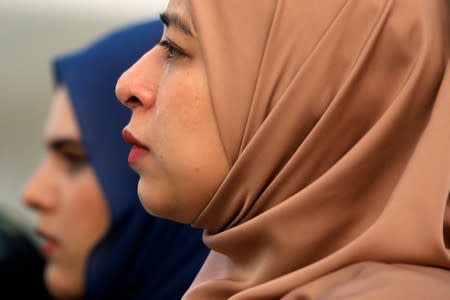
<point x="141" y="257"/>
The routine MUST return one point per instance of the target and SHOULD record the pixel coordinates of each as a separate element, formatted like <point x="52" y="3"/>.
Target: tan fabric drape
<point x="335" y="117"/>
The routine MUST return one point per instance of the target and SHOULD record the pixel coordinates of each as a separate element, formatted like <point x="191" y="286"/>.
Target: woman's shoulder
<point x="375" y="281"/>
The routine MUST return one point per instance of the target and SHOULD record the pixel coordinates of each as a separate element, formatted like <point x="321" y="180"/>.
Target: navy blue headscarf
<point x="140" y="257"/>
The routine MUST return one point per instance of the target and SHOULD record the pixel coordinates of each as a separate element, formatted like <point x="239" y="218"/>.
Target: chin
<point x="61" y="285"/>
<point x="159" y="203"/>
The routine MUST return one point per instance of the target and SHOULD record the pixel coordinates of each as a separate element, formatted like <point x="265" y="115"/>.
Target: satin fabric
<point x="335" y="117"/>
<point x="140" y="257"/>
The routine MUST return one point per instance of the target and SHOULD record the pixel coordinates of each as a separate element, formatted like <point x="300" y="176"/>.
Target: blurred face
<point x="73" y="213"/>
<point x="177" y="149"/>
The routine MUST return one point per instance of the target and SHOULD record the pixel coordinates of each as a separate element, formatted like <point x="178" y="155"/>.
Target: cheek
<point x="82" y="218"/>
<point x="179" y="101"/>
<point x="183" y="122"/>
<point x="190" y="147"/>
<point x="183" y="111"/>
<point x="87" y="215"/>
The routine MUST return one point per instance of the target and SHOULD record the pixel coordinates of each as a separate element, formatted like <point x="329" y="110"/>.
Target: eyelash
<point x="75" y="162"/>
<point x="172" y="50"/>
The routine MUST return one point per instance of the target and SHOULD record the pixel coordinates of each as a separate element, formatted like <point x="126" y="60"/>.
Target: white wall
<point x="31" y="34"/>
<point x="121" y="9"/>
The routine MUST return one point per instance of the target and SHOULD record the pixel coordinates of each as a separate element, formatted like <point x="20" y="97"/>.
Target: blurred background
<point x="31" y="34"/>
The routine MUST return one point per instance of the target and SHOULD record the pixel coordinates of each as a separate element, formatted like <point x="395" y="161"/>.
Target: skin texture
<point x="73" y="213"/>
<point x="167" y="91"/>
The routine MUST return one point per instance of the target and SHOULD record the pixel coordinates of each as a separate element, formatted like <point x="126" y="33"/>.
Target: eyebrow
<point x="64" y="144"/>
<point x="173" y="19"/>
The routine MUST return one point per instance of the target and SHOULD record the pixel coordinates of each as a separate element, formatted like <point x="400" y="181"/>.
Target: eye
<point x="74" y="161"/>
<point x="172" y="50"/>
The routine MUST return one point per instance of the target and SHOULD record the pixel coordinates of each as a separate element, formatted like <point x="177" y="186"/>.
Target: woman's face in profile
<point x="177" y="149"/>
<point x="73" y="213"/>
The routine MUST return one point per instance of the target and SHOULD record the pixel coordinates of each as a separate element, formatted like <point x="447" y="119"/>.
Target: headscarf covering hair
<point x="140" y="257"/>
<point x="347" y="104"/>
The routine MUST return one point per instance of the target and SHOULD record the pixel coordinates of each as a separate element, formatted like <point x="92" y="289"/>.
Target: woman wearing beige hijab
<point x="310" y="139"/>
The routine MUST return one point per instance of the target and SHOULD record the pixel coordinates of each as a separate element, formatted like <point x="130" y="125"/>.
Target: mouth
<point x="138" y="149"/>
<point x="50" y="243"/>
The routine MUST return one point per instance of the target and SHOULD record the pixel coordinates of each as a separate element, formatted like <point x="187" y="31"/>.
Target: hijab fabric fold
<point x="335" y="118"/>
<point x="140" y="257"/>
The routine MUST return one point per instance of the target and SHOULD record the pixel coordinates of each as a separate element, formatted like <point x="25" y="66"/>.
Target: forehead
<point x="180" y="7"/>
<point x="61" y="120"/>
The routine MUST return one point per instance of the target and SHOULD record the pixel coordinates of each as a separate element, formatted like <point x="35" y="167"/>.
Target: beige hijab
<point x="335" y="116"/>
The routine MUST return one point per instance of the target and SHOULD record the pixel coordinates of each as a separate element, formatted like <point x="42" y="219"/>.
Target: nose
<point x="137" y="87"/>
<point x="39" y="193"/>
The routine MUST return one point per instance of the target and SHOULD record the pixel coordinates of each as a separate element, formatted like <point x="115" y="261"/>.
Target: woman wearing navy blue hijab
<point x="109" y="248"/>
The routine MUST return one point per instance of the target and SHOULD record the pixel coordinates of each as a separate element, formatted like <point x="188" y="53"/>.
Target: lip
<point x="50" y="243"/>
<point x="130" y="139"/>
<point x="138" y="150"/>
